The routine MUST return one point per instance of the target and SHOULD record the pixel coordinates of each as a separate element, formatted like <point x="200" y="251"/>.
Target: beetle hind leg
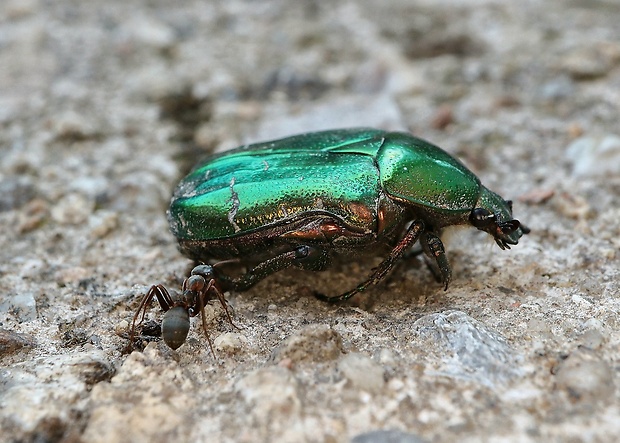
<point x="411" y="236"/>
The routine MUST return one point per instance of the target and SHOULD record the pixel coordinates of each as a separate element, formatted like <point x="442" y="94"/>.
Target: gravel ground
<point x="105" y="106"/>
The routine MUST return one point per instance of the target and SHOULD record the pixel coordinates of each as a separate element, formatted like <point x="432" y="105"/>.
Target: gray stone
<point x="595" y="156"/>
<point x="380" y="111"/>
<point x="459" y="346"/>
<point x="22" y="306"/>
<point x="15" y="192"/>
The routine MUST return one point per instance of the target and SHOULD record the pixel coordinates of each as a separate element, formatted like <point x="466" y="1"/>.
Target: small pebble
<point x="316" y="342"/>
<point x="361" y="372"/>
<point x="72" y="209"/>
<point x="33" y="268"/>
<point x="586" y="378"/>
<point x="139" y="191"/>
<point x="537" y="196"/>
<point x="572" y="206"/>
<point x="595" y="156"/>
<point x="33" y="215"/>
<point x="72" y="126"/>
<point x="443" y="117"/>
<point x="268" y="384"/>
<point x="19" y="9"/>
<point x="149" y="31"/>
<point x="12" y="341"/>
<point x="587" y="63"/>
<point x="121" y="327"/>
<point x="101" y="223"/>
<point x="592" y="339"/>
<point x="230" y="342"/>
<point x="382" y="111"/>
<point x="71" y="275"/>
<point x="559" y="88"/>
<point x="92" y="187"/>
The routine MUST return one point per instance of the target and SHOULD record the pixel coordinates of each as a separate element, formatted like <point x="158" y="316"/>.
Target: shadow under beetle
<point x="300" y="200"/>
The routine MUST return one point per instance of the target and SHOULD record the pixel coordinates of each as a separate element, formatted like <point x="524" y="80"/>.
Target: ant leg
<point x="201" y="306"/>
<point x="211" y="281"/>
<point x="165" y="302"/>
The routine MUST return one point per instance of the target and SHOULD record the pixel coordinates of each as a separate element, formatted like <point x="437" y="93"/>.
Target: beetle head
<point x="493" y="214"/>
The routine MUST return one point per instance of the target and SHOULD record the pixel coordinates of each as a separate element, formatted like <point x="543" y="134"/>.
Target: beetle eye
<point x="481" y="218"/>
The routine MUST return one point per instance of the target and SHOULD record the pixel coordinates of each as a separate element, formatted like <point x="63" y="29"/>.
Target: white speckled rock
<point x="268" y="393"/>
<point x="42" y="392"/>
<point x="146" y="400"/>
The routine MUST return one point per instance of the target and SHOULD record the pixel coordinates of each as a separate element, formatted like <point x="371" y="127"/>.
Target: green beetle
<point x="300" y="200"/>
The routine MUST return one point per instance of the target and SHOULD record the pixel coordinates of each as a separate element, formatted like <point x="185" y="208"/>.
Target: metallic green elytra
<point x="300" y="200"/>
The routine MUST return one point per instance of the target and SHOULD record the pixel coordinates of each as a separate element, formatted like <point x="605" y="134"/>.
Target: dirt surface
<point x="104" y="106"/>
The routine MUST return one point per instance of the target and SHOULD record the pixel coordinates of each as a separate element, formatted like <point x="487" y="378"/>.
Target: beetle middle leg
<point x="434" y="249"/>
<point x="311" y="258"/>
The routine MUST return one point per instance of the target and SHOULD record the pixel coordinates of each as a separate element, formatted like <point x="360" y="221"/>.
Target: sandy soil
<point x="104" y="106"/>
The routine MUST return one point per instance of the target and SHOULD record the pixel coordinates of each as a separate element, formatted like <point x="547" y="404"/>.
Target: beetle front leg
<point x="411" y="236"/>
<point x="433" y="247"/>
